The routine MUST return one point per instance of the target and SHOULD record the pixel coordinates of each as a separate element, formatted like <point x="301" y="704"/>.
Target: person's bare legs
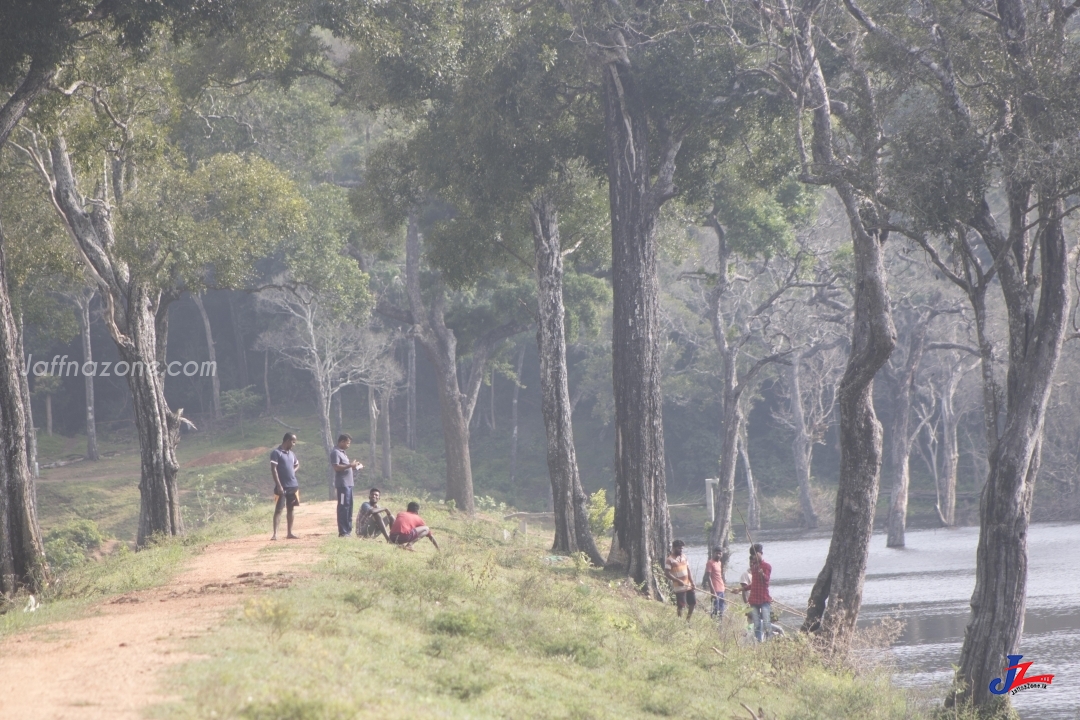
<point x="288" y="524"/>
<point x="422" y="532"/>
<point x="277" y="521"/>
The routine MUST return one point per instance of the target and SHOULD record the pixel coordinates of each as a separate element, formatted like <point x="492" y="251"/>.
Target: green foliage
<point x="239" y="400"/>
<point x="601" y="515"/>
<point x="40" y="261"/>
<point x="71" y="544"/>
<point x="761" y="221"/>
<point x="941" y="169"/>
<point x="216" y="501"/>
<point x="273" y="614"/>
<point x="47" y="384"/>
<point x="453" y="622"/>
<point x="293" y="707"/>
<point x="318" y="258"/>
<point x="587" y="300"/>
<point x="361" y="599"/>
<point x="486" y="503"/>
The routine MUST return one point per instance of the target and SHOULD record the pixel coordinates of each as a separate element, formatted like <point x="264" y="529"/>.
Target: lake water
<point x="928" y="586"/>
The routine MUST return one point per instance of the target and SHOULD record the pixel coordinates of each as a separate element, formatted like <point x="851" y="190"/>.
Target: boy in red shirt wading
<point x="409" y="527"/>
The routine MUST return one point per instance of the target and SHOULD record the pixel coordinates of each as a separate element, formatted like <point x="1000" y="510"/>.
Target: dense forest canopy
<point x="809" y="249"/>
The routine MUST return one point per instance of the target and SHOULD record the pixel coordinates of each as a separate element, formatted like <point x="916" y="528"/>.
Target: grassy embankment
<point x="491" y="627"/>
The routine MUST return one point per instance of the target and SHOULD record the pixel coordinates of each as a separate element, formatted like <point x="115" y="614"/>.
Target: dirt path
<point x="105" y="666"/>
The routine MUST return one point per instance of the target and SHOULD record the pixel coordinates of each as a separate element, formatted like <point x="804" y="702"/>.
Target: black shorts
<point x="291" y="499"/>
<point x="686" y="598"/>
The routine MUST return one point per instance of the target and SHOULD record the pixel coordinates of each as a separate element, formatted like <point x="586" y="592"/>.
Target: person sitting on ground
<point x="409" y="527"/>
<point x="677" y="570"/>
<point x="373" y="519"/>
<point x="714" y="578"/>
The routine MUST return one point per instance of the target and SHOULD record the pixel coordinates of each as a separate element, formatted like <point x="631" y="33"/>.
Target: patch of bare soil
<point x="224" y="457"/>
<point x="105" y="666"/>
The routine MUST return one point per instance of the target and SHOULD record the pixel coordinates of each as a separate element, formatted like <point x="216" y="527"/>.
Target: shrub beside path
<point x="105" y="666"/>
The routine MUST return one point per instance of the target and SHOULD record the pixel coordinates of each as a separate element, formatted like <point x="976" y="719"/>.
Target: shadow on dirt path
<point x="105" y="666"/>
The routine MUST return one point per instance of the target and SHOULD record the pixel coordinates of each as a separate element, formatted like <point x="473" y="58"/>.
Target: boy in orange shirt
<point x="714" y="575"/>
<point x="677" y="570"/>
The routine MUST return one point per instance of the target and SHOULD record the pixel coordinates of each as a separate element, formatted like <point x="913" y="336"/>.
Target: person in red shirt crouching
<point x="409" y="527"/>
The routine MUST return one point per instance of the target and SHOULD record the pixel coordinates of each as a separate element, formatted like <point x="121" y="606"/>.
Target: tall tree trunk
<point x="238" y="339"/>
<point x="373" y="428"/>
<point x="266" y="380"/>
<point x="730" y="419"/>
<point x="22" y="554"/>
<point x="211" y="353"/>
<point x="28" y="407"/>
<point x="642" y="522"/>
<point x="1035" y="337"/>
<point x="802" y="446"/>
<point x="324" y="398"/>
<point x="410" y="411"/>
<point x="950" y="420"/>
<point x="137" y="316"/>
<point x="440" y="344"/>
<point x="753" y="508"/>
<point x="336" y="414"/>
<point x="514" y="417"/>
<point x="836" y="597"/>
<point x="83" y="301"/>
<point x="491" y="404"/>
<point x="456" y="408"/>
<point x="900" y="442"/>
<point x="441" y="348"/>
<point x="384" y="423"/>
<point x="158" y="427"/>
<point x="572" y="532"/>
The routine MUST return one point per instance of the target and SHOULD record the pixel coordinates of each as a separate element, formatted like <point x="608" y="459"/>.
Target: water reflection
<point x="928" y="586"/>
